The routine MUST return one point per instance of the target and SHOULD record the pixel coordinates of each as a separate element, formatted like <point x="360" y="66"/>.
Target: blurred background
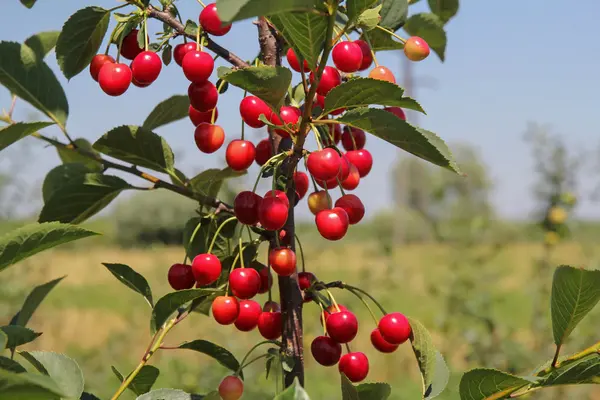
<point x="470" y="257"/>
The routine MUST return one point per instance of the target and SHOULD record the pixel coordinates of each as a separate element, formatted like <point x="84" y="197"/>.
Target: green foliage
<point x="143" y="381"/>
<point x="68" y="156"/>
<point x="356" y="7"/>
<point x="348" y="390"/>
<point x="62" y="175"/>
<point x="294" y="392"/>
<point x="62" y="369"/>
<point x="305" y="31"/>
<point x="42" y="43"/>
<point x="132" y="280"/>
<point x="33" y="301"/>
<point x="369" y="19"/>
<point x="221" y="354"/>
<point x="210" y="181"/>
<point x="170" y="110"/>
<point x="235" y="10"/>
<point x="28" y="3"/>
<point x="480" y="384"/>
<point x="205" y="229"/>
<point x="445" y="9"/>
<point x="393" y="14"/>
<point x="15" y="132"/>
<point x="3" y="340"/>
<point x="381" y="41"/>
<point x="267" y="83"/>
<point x="18" y="335"/>
<point x="430" y="27"/>
<point x="169" y="394"/>
<point x="585" y="370"/>
<point x="10" y="365"/>
<point x="375" y="391"/>
<point x="28" y="386"/>
<point x="168" y="304"/>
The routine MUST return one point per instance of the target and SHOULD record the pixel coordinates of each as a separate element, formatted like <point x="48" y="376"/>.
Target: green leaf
<point x="349" y="391"/>
<point x="88" y="396"/>
<point x="168" y="304"/>
<point x="144" y="380"/>
<point x="222" y="355"/>
<point x="42" y="43"/>
<point x="294" y="392"/>
<point x="170" y="110"/>
<point x="305" y="32"/>
<point x="32" y="302"/>
<point x="374" y="391"/>
<point x="34" y="238"/>
<point x="33" y="81"/>
<point x="28" y="386"/>
<point x="80" y="39"/>
<point x="28" y="3"/>
<point x="356" y="7"/>
<point x="369" y="19"/>
<point x="430" y="28"/>
<point x="3" y="340"/>
<point x="79" y="200"/>
<point x="385" y="125"/>
<point x="131" y="279"/>
<point x="210" y="181"/>
<point x="18" y="335"/>
<point x="15" y="132"/>
<point x="62" y="369"/>
<point x="170" y="394"/>
<point x="62" y="175"/>
<point x="69" y="156"/>
<point x="167" y="54"/>
<point x="393" y="14"/>
<point x="441" y="376"/>
<point x="267" y="83"/>
<point x="575" y="292"/>
<point x="381" y="41"/>
<point x="138" y="146"/>
<point x="424" y="351"/>
<point x="10" y="365"/>
<point x="191" y="28"/>
<point x="479" y="384"/>
<point x="208" y="226"/>
<point x="582" y="371"/>
<point x="445" y="9"/>
<point x="235" y="10"/>
<point x="119" y="375"/>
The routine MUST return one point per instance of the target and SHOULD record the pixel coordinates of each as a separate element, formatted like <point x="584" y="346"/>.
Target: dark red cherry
<point x="397" y="111"/>
<point x="302" y="183"/>
<point x="114" y="79"/>
<point x="211" y="23"/>
<point x="367" y="56"/>
<point x="355" y="366"/>
<point x="248" y="316"/>
<point x="130" y="47"/>
<point x="279" y="194"/>
<point x="326" y="351"/>
<point x="246" y="206"/>
<point x="97" y="63"/>
<point x="203" y="96"/>
<point x="266" y="280"/>
<point x="180" y="277"/>
<point x="269" y="324"/>
<point x="353" y="138"/>
<point x="263" y="152"/>
<point x="353" y="207"/>
<point x="206" y="269"/>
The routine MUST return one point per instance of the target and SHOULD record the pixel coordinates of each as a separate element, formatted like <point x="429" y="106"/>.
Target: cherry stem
<point x="198" y="38"/>
<point x="241" y="249"/>
<point x="335" y="304"/>
<point x="371" y="48"/>
<point x="118" y="7"/>
<point x="391" y="33"/>
<point x="243" y="124"/>
<point x="348" y="348"/>
<point x="366" y="294"/>
<point x="254" y="348"/>
<point x="145" y="32"/>
<point x="192" y="240"/>
<point x="253" y="360"/>
<point x="340" y="186"/>
<point x="249" y="232"/>
<point x="365" y="304"/>
<point x="201" y="3"/>
<point x="214" y="239"/>
<point x="317" y="136"/>
<point x="312" y="178"/>
<point x="323" y="319"/>
<point x="301" y="252"/>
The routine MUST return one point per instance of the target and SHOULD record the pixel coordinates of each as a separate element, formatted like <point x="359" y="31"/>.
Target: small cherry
<point x="225" y="309"/>
<point x="355" y="366"/>
<point x="271" y="306"/>
<point x="397" y="111"/>
<point x="319" y="201"/>
<point x="197" y="66"/>
<point x="97" y="63"/>
<point x="181" y="277"/>
<point x="203" y="96"/>
<point x="332" y="224"/>
<point x="330" y="79"/>
<point x="198" y="117"/>
<point x="146" y="67"/>
<point x="353" y="138"/>
<point x="332" y="310"/>
<point x="342" y="326"/>
<point x="305" y="280"/>
<point x="209" y="138"/>
<point x="244" y="283"/>
<point x="324" y="164"/>
<point x="211" y="23"/>
<point x="294" y="62"/>
<point x="247" y="319"/>
<point x="114" y="79"/>
<point x="381" y="344"/>
<point x="416" y="49"/>
<point x="263" y="152"/>
<point x="251" y="107"/>
<point x="302" y="182"/>
<point x="353" y="179"/>
<point x="347" y="56"/>
<point x="289" y="116"/>
<point x="181" y="50"/>
<point x="139" y="84"/>
<point x="279" y="194"/>
<point x="245" y="207"/>
<point x="362" y="159"/>
<point x="266" y="280"/>
<point x="353" y="207"/>
<point x="240" y="154"/>
<point x="130" y="47"/>
<point x="394" y="328"/>
<point x="326" y="351"/>
<point x="273" y="213"/>
<point x="382" y="74"/>
<point x="206" y="269"/>
<point x="367" y="56"/>
<point x="231" y="388"/>
<point x="269" y="324"/>
<point x="283" y="261"/>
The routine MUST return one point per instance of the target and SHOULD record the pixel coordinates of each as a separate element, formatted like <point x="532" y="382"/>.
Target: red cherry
<point x="305" y="280"/>
<point x="266" y="280"/>
<point x="342" y="326"/>
<point x="382" y="74"/>
<point x="251" y="107"/>
<point x="211" y="23"/>
<point x="263" y="152"/>
<point x="330" y="79"/>
<point x="181" y="50"/>
<point x="330" y="184"/>
<point x="394" y="328"/>
<point x="397" y="111"/>
<point x="271" y="306"/>
<point x="380" y="343"/>
<point x="362" y="159"/>
<point x="319" y="201"/>
<point x="198" y="117"/>
<point x="353" y="138"/>
<point x="335" y="133"/>
<point x="353" y="179"/>
<point x="289" y="116"/>
<point x="326" y="351"/>
<point x="231" y="388"/>
<point x="206" y="269"/>
<point x="332" y="310"/>
<point x="353" y="207"/>
<point x="269" y="324"/>
<point x="203" y="96"/>
<point x="302" y="183"/>
<point x="245" y="207"/>
<point x="272" y="213"/>
<point x="347" y="56"/>
<point x="416" y="49"/>
<point x="146" y="67"/>
<point x="367" y="56"/>
<point x="97" y="63"/>
<point x="138" y="84"/>
<point x="247" y="319"/>
<point x="324" y="164"/>
<point x="180" y="277"/>
<point x="240" y="154"/>
<point x="355" y="366"/>
<point x="283" y="261"/>
<point x="114" y="79"/>
<point x="244" y="282"/>
<point x="294" y="62"/>
<point x="130" y="47"/>
<point x="342" y="175"/>
<point x="278" y="193"/>
<point x="198" y="66"/>
<point x="332" y="224"/>
<point x="225" y="309"/>
<point x="209" y="138"/>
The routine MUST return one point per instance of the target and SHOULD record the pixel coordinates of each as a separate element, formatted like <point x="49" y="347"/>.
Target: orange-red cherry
<point x="383" y="74"/>
<point x="416" y="49"/>
<point x="225" y="309"/>
<point x="231" y="388"/>
<point x="240" y="154"/>
<point x="97" y="63"/>
<point x="283" y="261"/>
<point x="209" y="138"/>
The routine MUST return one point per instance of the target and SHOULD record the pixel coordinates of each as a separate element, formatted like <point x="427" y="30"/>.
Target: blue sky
<point x="508" y="62"/>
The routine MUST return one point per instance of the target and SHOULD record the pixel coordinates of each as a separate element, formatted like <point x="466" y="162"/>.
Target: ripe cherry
<point x="271" y="306"/>
<point x="114" y="79"/>
<point x="355" y="366"/>
<point x="294" y="62"/>
<point x="130" y="47"/>
<point x="266" y="280"/>
<point x="181" y="50"/>
<point x="247" y="319"/>
<point x="332" y="224"/>
<point x="301" y="181"/>
<point x="146" y="67"/>
<point x="324" y="164"/>
<point x="353" y="179"/>
<point x="289" y="116"/>
<point x="353" y="138"/>
<point x="416" y="49"/>
<point x="326" y="351"/>
<point x="231" y="388"/>
<point x="305" y="280"/>
<point x="206" y="269"/>
<point x="332" y="310"/>
<point x="209" y="138"/>
<point x="211" y="23"/>
<point x="198" y="117"/>
<point x="240" y="154"/>
<point x="367" y="56"/>
<point x="394" y="328"/>
<point x="138" y="84"/>
<point x="263" y="152"/>
<point x="342" y="326"/>
<point x="97" y="63"/>
<point x="330" y="79"/>
<point x="278" y="193"/>
<point x="244" y="282"/>
<point x="269" y="324"/>
<point x="319" y="201"/>
<point x="283" y="261"/>
<point x="197" y="66"/>
<point x="251" y="107"/>
<point x="203" y="96"/>
<point x="380" y="343"/>
<point x="343" y="174"/>
<point x="225" y="309"/>
<point x="180" y="277"/>
<point x="362" y="159"/>
<point x="382" y="74"/>
<point x="272" y="213"/>
<point x="347" y="56"/>
<point x="245" y="207"/>
<point x="397" y="111"/>
<point x="353" y="207"/>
